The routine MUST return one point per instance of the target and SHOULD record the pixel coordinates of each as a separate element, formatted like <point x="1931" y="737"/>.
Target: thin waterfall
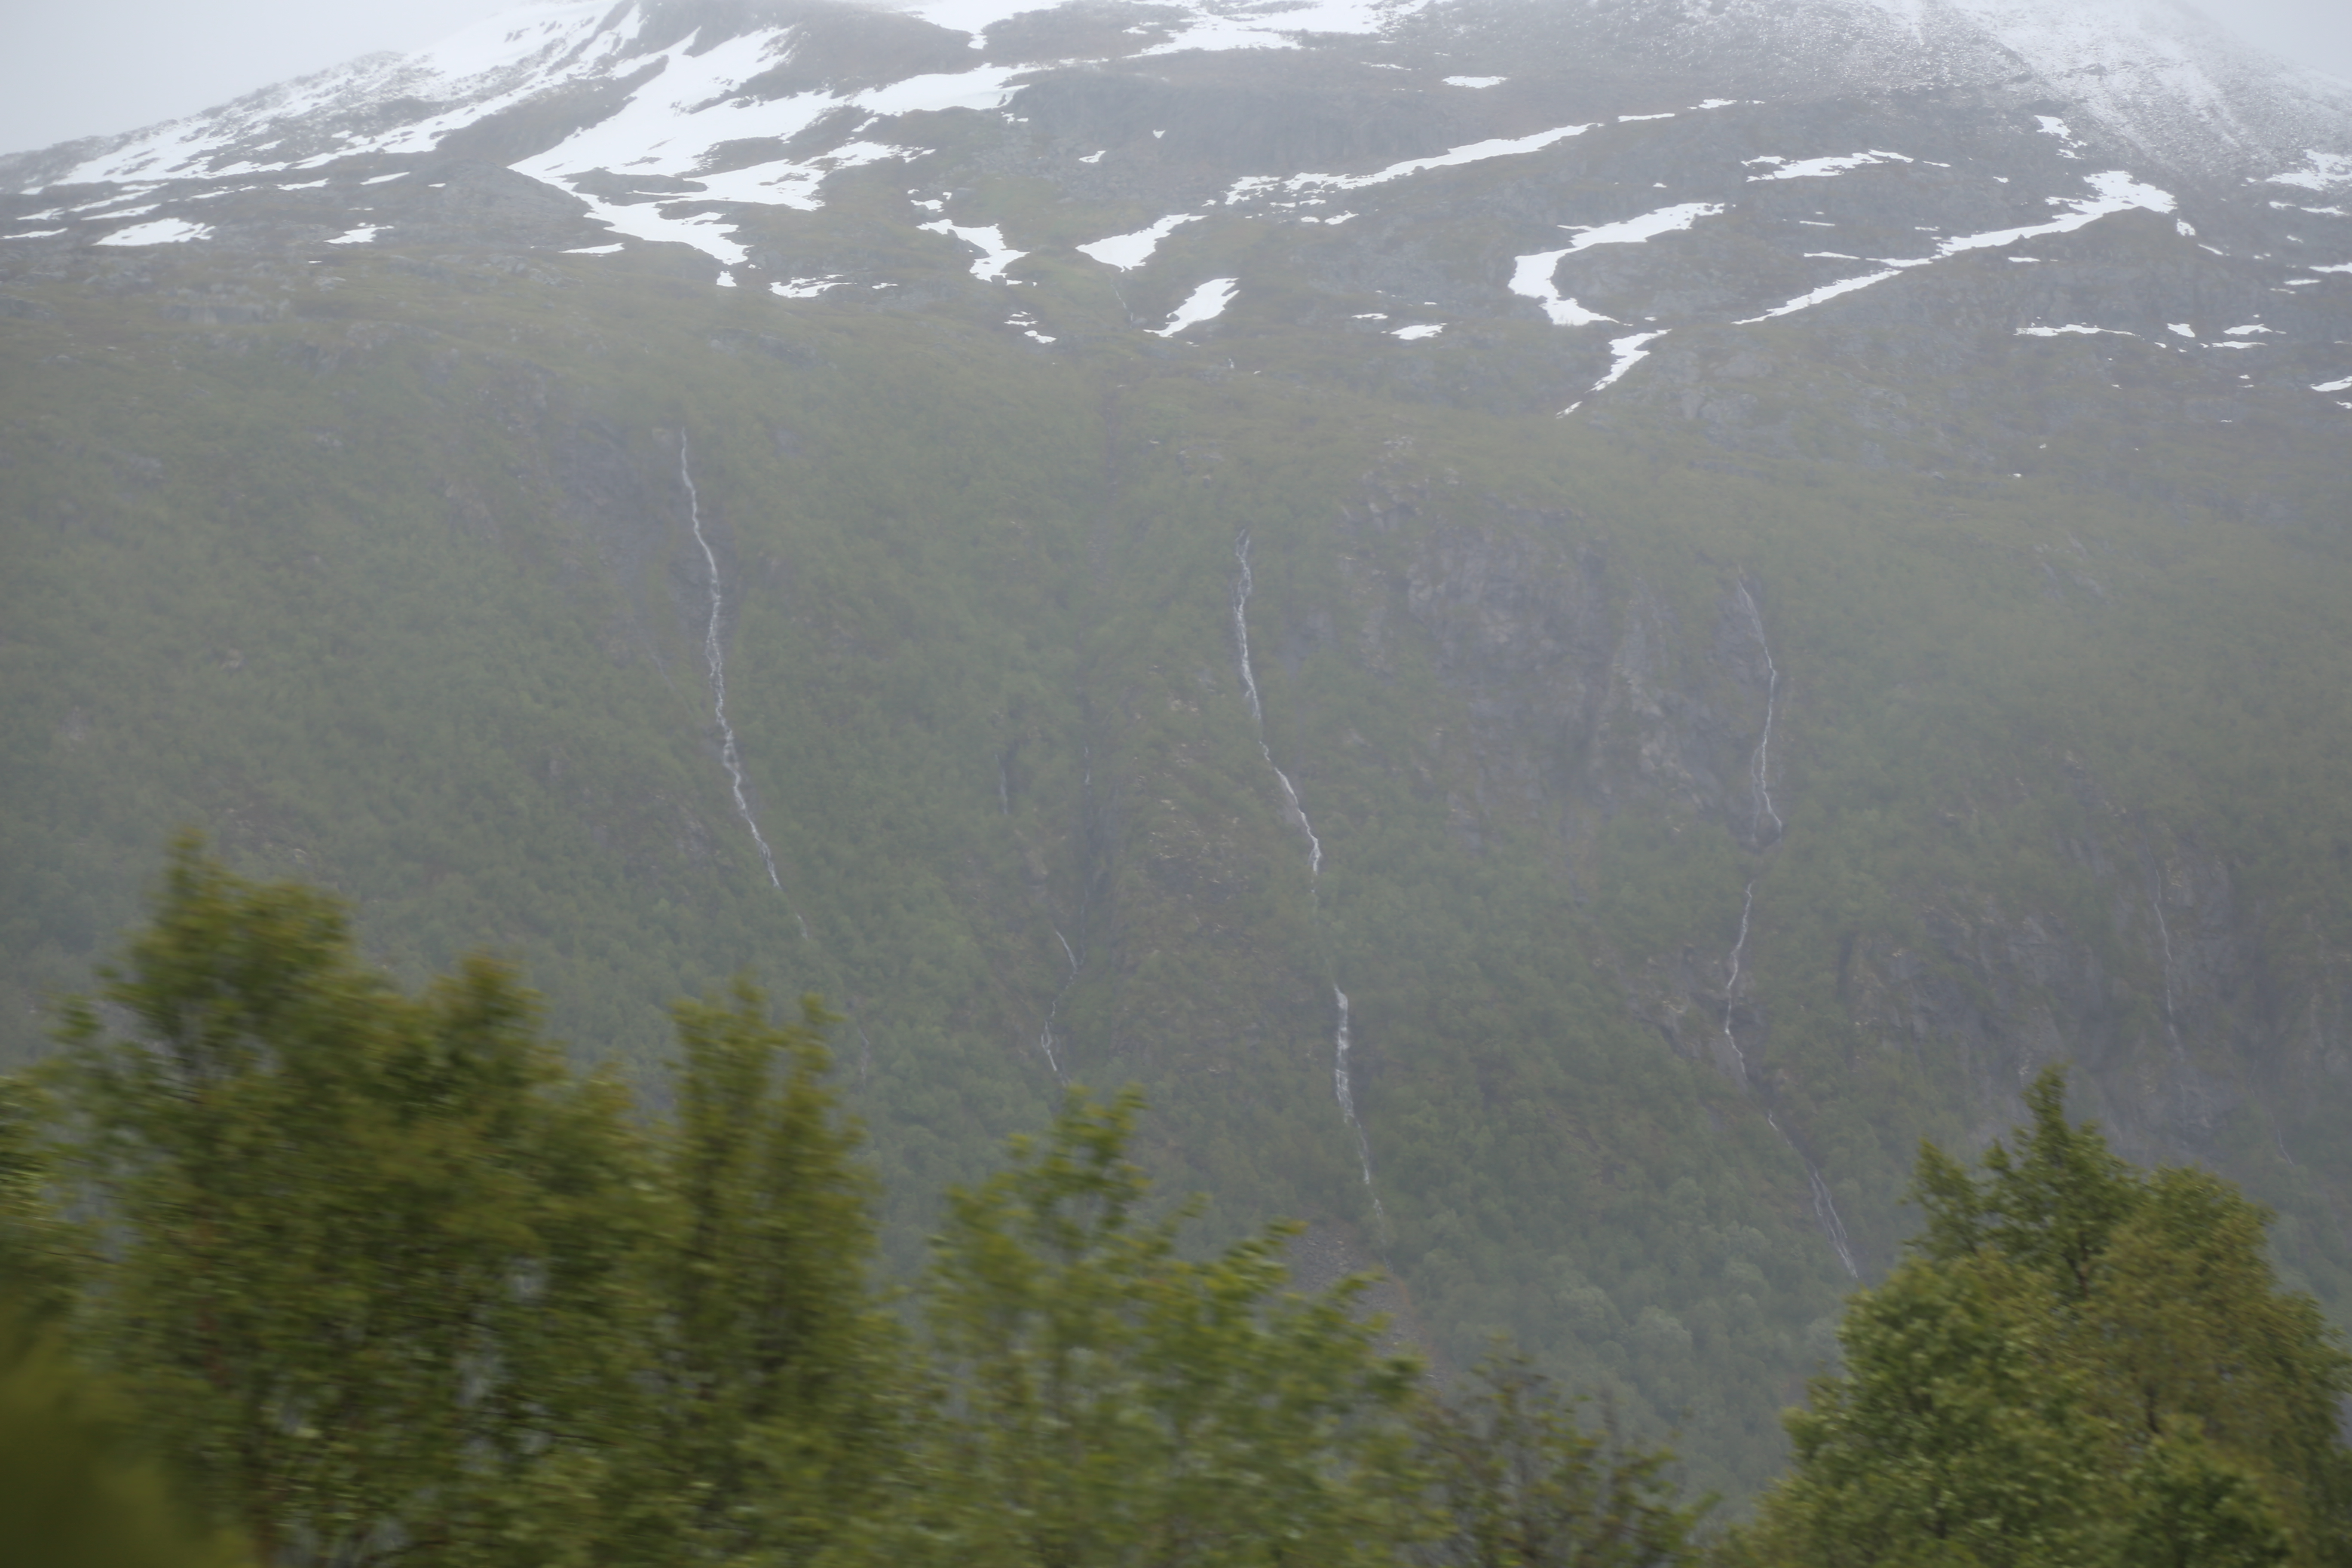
<point x="1046" y="1032"/>
<point x="1824" y="1206"/>
<point x="716" y="657"/>
<point x="1342" y="1086"/>
<point x="2156" y="902"/>
<point x="1764" y="745"/>
<point x="1291" y="806"/>
<point x="1731" y="986"/>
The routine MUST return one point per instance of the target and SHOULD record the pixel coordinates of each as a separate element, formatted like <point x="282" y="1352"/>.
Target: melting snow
<point x="382" y="179"/>
<point x="1629" y="352"/>
<point x="1028" y="325"/>
<point x="1638" y="230"/>
<point x="1094" y="157"/>
<point x="2117" y="191"/>
<point x="1272" y="28"/>
<point x="365" y="234"/>
<point x="1532" y="277"/>
<point x="1476" y="81"/>
<point x="1812" y="167"/>
<point x="677" y="122"/>
<point x="1826" y="291"/>
<point x="645" y="220"/>
<point x="1129" y="251"/>
<point x="2325" y="171"/>
<point x="2344" y="385"/>
<point x="2246" y="332"/>
<point x="162" y="231"/>
<point x="2339" y="267"/>
<point x="2085" y="332"/>
<point x="2180" y="329"/>
<point x="1469" y="153"/>
<point x="806" y="287"/>
<point x="35" y="234"/>
<point x="995" y="255"/>
<point x="1205" y="303"/>
<point x="1412" y="334"/>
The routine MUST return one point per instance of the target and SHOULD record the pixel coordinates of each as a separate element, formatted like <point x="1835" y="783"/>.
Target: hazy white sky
<point x="85" y="68"/>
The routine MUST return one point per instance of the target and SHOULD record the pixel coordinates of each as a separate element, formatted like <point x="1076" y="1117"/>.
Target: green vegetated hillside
<point x="399" y="593"/>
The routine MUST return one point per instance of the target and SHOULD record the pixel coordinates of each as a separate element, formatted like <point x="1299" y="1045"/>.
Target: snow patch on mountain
<point x="995" y="255"/>
<point x="2322" y="171"/>
<point x="1643" y="228"/>
<point x="1129" y="251"/>
<point x="1810" y="168"/>
<point x="1205" y="303"/>
<point x="1452" y="157"/>
<point x="162" y="231"/>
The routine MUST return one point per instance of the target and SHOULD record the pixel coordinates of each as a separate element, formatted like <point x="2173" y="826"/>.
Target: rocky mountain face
<point x="1564" y="625"/>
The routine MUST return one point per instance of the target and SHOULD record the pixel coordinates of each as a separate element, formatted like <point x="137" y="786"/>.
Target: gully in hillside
<point x="1824" y="1206"/>
<point x="715" y="659"/>
<point x="1342" y="1085"/>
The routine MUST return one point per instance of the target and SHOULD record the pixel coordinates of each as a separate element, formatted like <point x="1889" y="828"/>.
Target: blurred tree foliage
<point x="392" y="1284"/>
<point x="2080" y="1364"/>
<point x="381" y="1280"/>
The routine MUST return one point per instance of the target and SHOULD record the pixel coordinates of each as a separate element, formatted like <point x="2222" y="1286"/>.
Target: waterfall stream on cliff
<point x="1731" y="986"/>
<point x="1825" y="1205"/>
<point x="1046" y="1032"/>
<point x="1764" y="744"/>
<point x="1342" y="1087"/>
<point x="715" y="657"/>
<point x="1296" y="812"/>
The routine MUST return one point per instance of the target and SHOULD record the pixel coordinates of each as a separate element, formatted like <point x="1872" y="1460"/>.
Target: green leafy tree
<point x="1106" y="1402"/>
<point x="2079" y="1364"/>
<point x="42" y="1258"/>
<point x="777" y="1367"/>
<point x="370" y="1273"/>
<point x="1524" y="1484"/>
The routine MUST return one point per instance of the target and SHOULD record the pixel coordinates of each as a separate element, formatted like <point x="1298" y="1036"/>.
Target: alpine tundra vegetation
<point x="1561" y="628"/>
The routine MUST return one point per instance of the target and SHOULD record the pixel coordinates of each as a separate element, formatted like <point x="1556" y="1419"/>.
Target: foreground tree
<point x="1106" y="1402"/>
<point x="2079" y="1364"/>
<point x="1522" y="1483"/>
<point x="778" y="1415"/>
<point x="370" y="1252"/>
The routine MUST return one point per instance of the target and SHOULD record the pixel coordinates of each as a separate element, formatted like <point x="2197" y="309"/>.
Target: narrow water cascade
<point x="716" y="657"/>
<point x="1342" y="1085"/>
<point x="1345" y="1088"/>
<point x="2164" y="932"/>
<point x="1764" y="744"/>
<point x="1731" y="986"/>
<point x="1824" y="1206"/>
<point x="1291" y="806"/>
<point x="1045" y="1031"/>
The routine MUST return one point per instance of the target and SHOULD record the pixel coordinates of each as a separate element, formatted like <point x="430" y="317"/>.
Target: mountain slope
<point x="1563" y="627"/>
